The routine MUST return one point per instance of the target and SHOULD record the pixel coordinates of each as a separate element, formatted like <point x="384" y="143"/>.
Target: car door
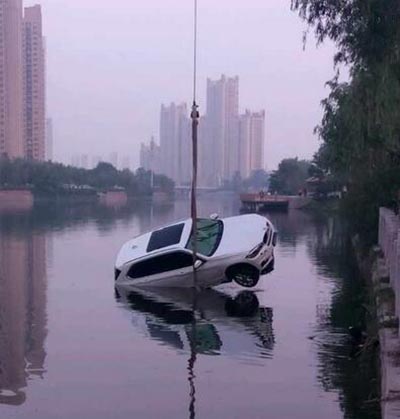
<point x="212" y="272"/>
<point x="177" y="269"/>
<point x="172" y="268"/>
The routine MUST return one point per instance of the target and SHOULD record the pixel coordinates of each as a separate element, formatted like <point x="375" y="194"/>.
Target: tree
<point x="290" y="177"/>
<point x="360" y="129"/>
<point x="53" y="178"/>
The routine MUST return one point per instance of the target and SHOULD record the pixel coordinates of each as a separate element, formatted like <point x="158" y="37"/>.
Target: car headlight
<point x="254" y="252"/>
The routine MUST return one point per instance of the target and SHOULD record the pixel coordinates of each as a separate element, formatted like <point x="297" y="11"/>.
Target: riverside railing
<point x="389" y="242"/>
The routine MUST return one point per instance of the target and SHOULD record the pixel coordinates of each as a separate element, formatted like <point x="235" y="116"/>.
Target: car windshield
<point x="209" y="234"/>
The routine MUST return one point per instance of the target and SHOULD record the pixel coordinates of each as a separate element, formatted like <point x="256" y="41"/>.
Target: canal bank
<point x="381" y="267"/>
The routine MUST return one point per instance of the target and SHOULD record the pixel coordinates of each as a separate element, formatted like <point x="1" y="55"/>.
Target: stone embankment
<point x="386" y="281"/>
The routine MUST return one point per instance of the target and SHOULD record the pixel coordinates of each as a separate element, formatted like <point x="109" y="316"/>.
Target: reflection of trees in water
<point x="59" y="216"/>
<point x="22" y="313"/>
<point x="354" y="378"/>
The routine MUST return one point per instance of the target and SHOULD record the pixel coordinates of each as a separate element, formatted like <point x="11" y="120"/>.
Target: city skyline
<point x="230" y="144"/>
<point x="105" y="87"/>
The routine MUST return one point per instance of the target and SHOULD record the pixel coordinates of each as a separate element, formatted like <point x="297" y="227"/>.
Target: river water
<point x="72" y="347"/>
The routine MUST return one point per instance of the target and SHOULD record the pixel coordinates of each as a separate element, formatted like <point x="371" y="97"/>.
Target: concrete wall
<point x="389" y="242"/>
<point x="386" y="277"/>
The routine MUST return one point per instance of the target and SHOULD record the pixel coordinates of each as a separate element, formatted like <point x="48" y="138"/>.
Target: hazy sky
<point x="110" y="65"/>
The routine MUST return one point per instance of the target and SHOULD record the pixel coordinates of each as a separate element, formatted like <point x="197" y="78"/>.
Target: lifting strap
<point x="195" y="124"/>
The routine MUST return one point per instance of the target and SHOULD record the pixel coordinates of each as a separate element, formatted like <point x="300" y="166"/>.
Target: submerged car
<point x="239" y="249"/>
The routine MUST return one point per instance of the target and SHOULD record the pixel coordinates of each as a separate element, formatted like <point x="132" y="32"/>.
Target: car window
<point x="165" y="237"/>
<point x="209" y="234"/>
<point x="159" y="264"/>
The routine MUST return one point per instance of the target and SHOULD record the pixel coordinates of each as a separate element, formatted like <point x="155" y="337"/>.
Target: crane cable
<point x="195" y="124"/>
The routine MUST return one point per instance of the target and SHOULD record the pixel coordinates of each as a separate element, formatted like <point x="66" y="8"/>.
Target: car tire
<point x="245" y="275"/>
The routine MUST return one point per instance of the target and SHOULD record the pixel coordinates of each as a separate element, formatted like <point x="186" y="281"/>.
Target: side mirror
<point x="214" y="216"/>
<point x="198" y="264"/>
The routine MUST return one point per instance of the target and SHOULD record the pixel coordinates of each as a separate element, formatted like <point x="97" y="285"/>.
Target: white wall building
<point x="175" y="143"/>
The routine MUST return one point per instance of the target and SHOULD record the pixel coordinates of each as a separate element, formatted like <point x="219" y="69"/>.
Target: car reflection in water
<point x="209" y="322"/>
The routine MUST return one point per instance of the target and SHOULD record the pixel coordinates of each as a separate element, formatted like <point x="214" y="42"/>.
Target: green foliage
<point x="56" y="178"/>
<point x="290" y="177"/>
<point x="363" y="30"/>
<point x="360" y="129"/>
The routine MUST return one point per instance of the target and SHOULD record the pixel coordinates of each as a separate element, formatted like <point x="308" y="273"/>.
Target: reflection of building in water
<point x="22" y="313"/>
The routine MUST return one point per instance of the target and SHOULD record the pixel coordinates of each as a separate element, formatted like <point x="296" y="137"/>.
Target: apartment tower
<point x="11" y="94"/>
<point x="221" y="131"/>
<point x="251" y="142"/>
<point x="175" y="143"/>
<point x="34" y="85"/>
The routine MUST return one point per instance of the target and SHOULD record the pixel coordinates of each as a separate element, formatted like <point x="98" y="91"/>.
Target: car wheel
<point x="244" y="275"/>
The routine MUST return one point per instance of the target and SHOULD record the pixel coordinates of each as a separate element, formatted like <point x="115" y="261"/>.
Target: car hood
<point x="241" y="234"/>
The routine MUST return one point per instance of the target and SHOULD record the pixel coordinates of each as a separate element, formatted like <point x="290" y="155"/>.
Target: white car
<point x="236" y="249"/>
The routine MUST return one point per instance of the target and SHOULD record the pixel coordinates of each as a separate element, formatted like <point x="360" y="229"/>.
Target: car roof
<point x="165" y="237"/>
<point x="161" y="240"/>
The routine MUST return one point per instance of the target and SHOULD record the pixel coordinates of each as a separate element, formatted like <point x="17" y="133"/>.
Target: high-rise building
<point x="251" y="142"/>
<point x="257" y="139"/>
<point x="34" y="84"/>
<point x="230" y="144"/>
<point x="150" y="157"/>
<point x="11" y="93"/>
<point x="220" y="145"/>
<point x="49" y="139"/>
<point x="207" y="162"/>
<point x="175" y="143"/>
